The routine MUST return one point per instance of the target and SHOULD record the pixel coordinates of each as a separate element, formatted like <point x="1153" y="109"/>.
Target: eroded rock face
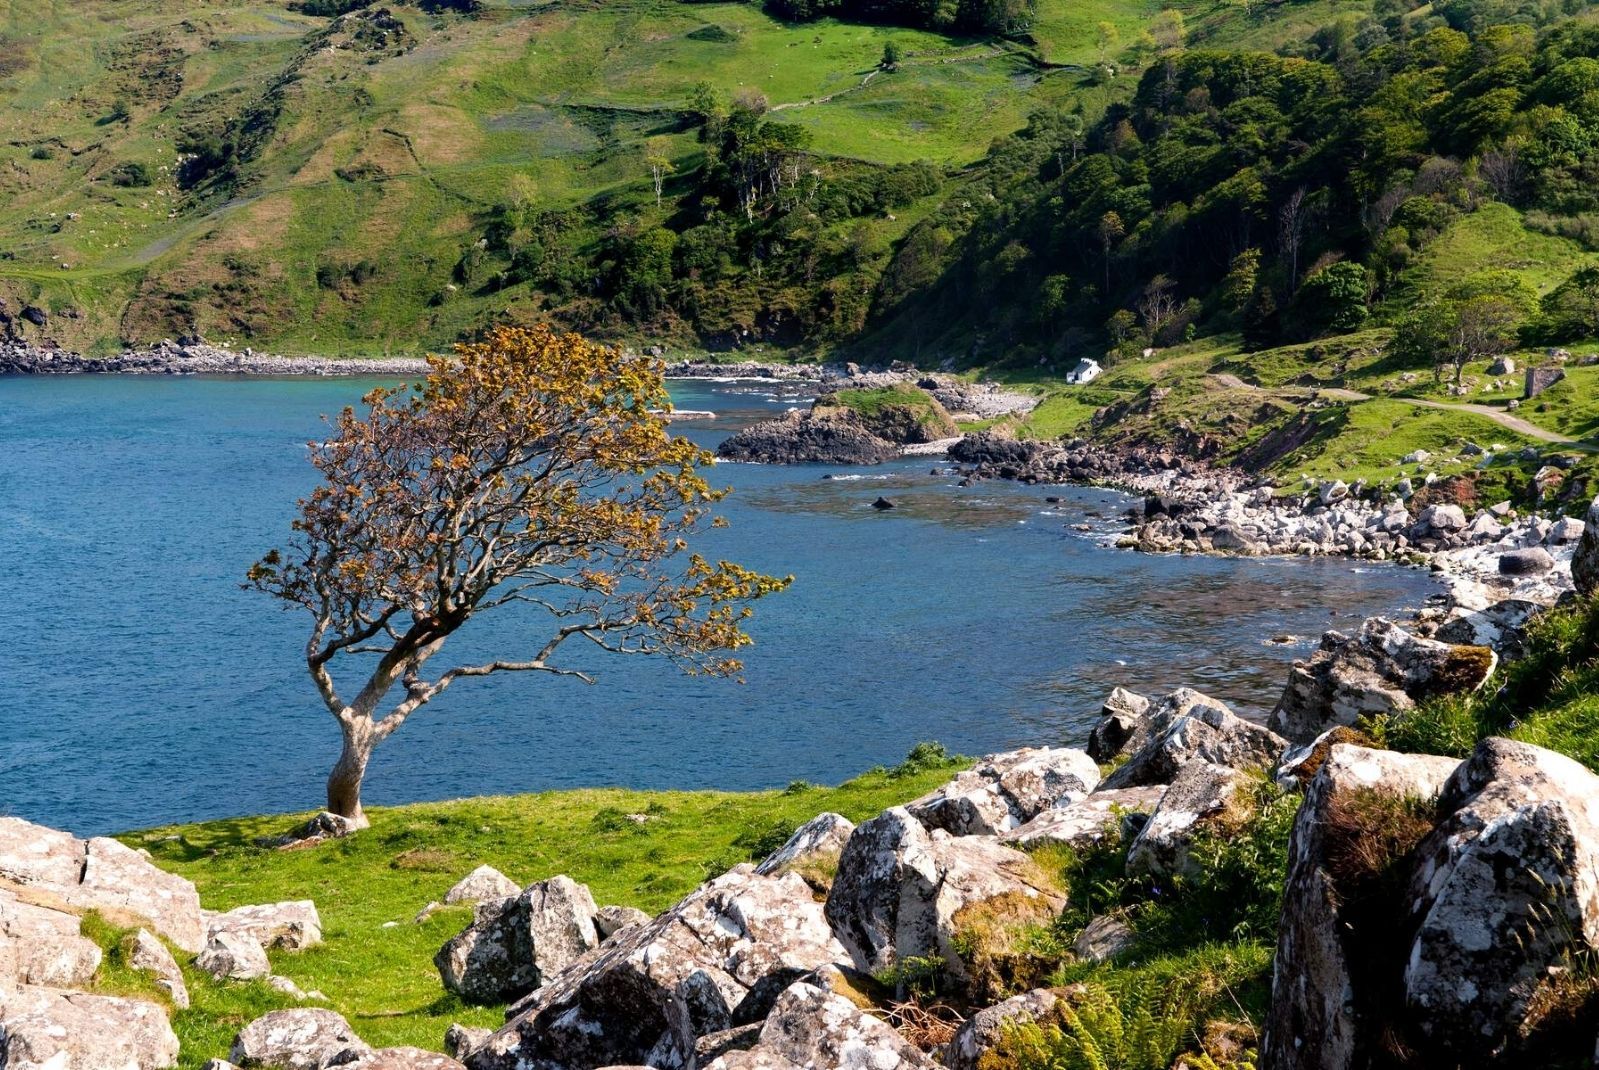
<point x="1505" y="887"/>
<point x="1585" y="563"/>
<point x="101" y="874"/>
<point x="1087" y="821"/>
<point x="1200" y="795"/>
<point x="1189" y="727"/>
<point x="48" y="1029"/>
<point x="292" y="925"/>
<point x="982" y="1031"/>
<point x="899" y="889"/>
<point x="481" y="885"/>
<point x="40" y="946"/>
<point x="1383" y="669"/>
<point x="717" y="959"/>
<point x="1004" y="791"/>
<point x="1319" y="1007"/>
<point x="608" y="921"/>
<point x="302" y="1039"/>
<point x="514" y="944"/>
<point x="821" y="839"/>
<point x="233" y="956"/>
<point x="1118" y="721"/>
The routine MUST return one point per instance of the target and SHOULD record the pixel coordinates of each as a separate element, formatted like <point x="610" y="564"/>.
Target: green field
<point x="376" y="964"/>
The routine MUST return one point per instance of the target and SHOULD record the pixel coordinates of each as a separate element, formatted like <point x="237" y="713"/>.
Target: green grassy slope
<point x="391" y="151"/>
<point x="376" y="962"/>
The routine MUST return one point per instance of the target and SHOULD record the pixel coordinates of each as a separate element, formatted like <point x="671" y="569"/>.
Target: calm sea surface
<point x="140" y="685"/>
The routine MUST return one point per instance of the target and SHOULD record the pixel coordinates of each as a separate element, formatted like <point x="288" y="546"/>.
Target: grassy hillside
<point x="376" y="962"/>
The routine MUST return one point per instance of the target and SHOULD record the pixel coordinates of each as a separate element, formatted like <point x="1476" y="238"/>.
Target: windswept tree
<point x="535" y="471"/>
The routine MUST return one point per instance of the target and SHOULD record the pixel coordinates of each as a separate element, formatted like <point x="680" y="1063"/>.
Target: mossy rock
<point x="902" y="414"/>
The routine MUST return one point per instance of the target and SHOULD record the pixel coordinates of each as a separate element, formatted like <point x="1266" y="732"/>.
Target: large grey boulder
<point x="301" y="1039"/>
<point x="292" y="925"/>
<point x="1118" y="720"/>
<point x="48" y="1029"/>
<point x="903" y="892"/>
<point x="1006" y="790"/>
<point x="101" y="874"/>
<point x="719" y="958"/>
<point x="151" y="955"/>
<point x="1506" y="888"/>
<point x="1585" y="562"/>
<point x="1323" y="1014"/>
<point x="40" y="946"/>
<point x="1087" y="821"/>
<point x="819" y="841"/>
<point x="982" y="1032"/>
<point x="809" y="1027"/>
<point x="233" y="956"/>
<point x="483" y="884"/>
<point x="513" y="945"/>
<point x="1188" y="727"/>
<point x="1201" y="794"/>
<point x="1383" y="669"/>
<point x="1502" y="627"/>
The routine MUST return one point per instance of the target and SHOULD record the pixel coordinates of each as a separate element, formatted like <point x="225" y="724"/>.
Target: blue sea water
<point x="139" y="684"/>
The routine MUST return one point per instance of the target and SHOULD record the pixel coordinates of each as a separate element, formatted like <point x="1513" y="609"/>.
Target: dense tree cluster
<point x="1280" y="194"/>
<point x="961" y="16"/>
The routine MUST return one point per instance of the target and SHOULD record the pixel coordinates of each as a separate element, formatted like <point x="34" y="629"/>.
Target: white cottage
<point x="1086" y="372"/>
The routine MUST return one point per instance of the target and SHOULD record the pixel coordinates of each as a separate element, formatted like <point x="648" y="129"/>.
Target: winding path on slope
<point x="1498" y="416"/>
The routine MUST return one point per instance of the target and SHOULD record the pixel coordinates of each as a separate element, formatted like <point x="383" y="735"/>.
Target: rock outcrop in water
<point x="832" y="437"/>
<point x="192" y="358"/>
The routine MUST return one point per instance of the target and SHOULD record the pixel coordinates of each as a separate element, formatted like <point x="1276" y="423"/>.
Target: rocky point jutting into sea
<point x="1456" y="944"/>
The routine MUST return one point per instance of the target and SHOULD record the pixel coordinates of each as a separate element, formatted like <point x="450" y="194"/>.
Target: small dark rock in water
<point x="965" y="482"/>
<point x="882" y="503"/>
<point x="1052" y="499"/>
<point x="1284" y="640"/>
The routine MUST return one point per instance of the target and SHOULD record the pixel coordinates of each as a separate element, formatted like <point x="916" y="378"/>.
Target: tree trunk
<point x="344" y="782"/>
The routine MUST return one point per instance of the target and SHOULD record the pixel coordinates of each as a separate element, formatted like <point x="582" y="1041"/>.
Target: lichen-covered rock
<point x="151" y="955"/>
<point x="1501" y="626"/>
<point x="1195" y="729"/>
<point x="1118" y="721"/>
<point x="1087" y="821"/>
<point x="513" y="945"/>
<point x="40" y="946"/>
<point x="815" y="1029"/>
<point x="1321" y="1015"/>
<point x="1505" y="888"/>
<point x="462" y="1040"/>
<point x="899" y="889"/>
<point x="982" y="1032"/>
<point x="48" y="1029"/>
<point x="1383" y="669"/>
<point x="717" y="959"/>
<point x="608" y="921"/>
<point x="101" y="874"/>
<point x="821" y="839"/>
<point x="301" y="1039"/>
<point x="1201" y="794"/>
<point x="293" y="925"/>
<point x="233" y="956"/>
<point x="481" y="885"/>
<point x="1585" y="562"/>
<point x="399" y="1059"/>
<point x="1006" y="790"/>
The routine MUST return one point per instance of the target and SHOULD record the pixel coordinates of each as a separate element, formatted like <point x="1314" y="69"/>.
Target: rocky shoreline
<point x="196" y="358"/>
<point x="1190" y="507"/>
